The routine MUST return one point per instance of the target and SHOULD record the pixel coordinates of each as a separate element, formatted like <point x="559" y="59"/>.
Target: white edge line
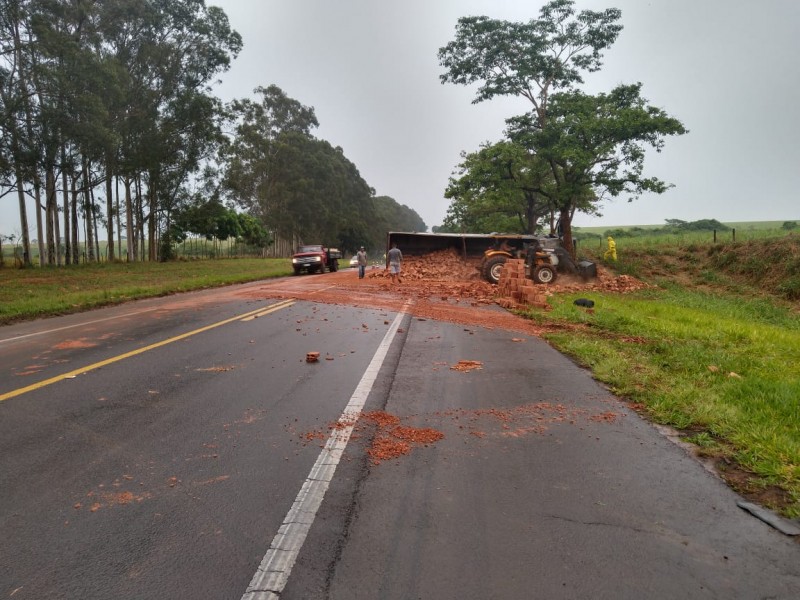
<point x="273" y="572"/>
<point x="20" y="337"/>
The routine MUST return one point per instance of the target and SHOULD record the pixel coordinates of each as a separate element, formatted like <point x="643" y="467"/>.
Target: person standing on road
<point x="361" y="256"/>
<point x="393" y="261"/>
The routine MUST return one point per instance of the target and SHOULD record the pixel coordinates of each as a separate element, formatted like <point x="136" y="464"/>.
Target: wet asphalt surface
<point x="167" y="474"/>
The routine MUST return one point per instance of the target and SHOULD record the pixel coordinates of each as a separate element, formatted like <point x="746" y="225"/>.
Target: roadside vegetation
<point x="711" y="350"/>
<point x="32" y="293"/>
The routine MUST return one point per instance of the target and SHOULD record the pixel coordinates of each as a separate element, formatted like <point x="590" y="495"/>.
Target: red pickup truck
<point x="315" y="258"/>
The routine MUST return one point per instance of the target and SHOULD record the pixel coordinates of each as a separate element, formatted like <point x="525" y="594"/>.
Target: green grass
<point x="771" y="226"/>
<point x="597" y="241"/>
<point x="35" y="292"/>
<point x="717" y="364"/>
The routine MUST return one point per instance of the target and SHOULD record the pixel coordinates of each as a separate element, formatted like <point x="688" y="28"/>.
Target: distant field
<point x="739" y="226"/>
<point x="649" y="236"/>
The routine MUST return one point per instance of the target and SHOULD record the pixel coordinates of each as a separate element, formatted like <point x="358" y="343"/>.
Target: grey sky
<point x="727" y="68"/>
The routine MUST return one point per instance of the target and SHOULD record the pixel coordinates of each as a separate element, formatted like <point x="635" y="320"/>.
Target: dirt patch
<point x="390" y="439"/>
<point x="438" y="286"/>
<point x="75" y="344"/>
<point x="751" y="487"/>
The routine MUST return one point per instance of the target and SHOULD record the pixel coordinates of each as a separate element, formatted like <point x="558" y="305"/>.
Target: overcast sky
<point x="728" y="69"/>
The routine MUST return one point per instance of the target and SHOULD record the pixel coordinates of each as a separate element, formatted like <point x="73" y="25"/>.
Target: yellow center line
<point x="113" y="359"/>
<point x="268" y="310"/>
<point x="327" y="287"/>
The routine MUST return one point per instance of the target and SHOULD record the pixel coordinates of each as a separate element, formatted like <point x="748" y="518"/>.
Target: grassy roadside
<point x="30" y="293"/>
<point x="721" y="368"/>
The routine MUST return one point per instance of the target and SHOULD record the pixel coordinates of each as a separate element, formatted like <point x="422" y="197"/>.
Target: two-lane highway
<point x="184" y="448"/>
<point x="154" y="451"/>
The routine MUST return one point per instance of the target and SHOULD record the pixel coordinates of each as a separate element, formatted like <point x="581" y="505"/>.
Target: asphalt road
<point x="164" y="449"/>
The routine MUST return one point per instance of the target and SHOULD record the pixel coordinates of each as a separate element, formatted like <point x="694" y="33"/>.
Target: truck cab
<point x="315" y="258"/>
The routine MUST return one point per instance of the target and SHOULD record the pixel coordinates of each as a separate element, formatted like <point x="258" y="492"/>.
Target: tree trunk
<point x="151" y="227"/>
<point x="23" y="219"/>
<point x="129" y="220"/>
<point x="116" y="214"/>
<point x="57" y="231"/>
<point x="67" y="247"/>
<point x="138" y="240"/>
<point x="110" y="211"/>
<point x="76" y="253"/>
<point x="50" y="213"/>
<point x="94" y="223"/>
<point x="87" y="213"/>
<point x="566" y="226"/>
<point x="37" y="193"/>
<point x="23" y="94"/>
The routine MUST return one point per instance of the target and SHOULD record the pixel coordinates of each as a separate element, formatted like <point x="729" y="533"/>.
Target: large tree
<point x="299" y="186"/>
<point x="261" y="131"/>
<point x="595" y="145"/>
<point x="498" y="188"/>
<point x="543" y="61"/>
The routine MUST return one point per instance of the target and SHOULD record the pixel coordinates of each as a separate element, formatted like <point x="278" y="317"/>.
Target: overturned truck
<point x="544" y="256"/>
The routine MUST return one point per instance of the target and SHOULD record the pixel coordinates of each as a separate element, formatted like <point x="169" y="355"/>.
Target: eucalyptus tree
<point x="72" y="82"/>
<point x="315" y="190"/>
<point x="252" y="158"/>
<point x="95" y="90"/>
<point x="298" y="186"/>
<point x="17" y="120"/>
<point x="170" y="52"/>
<point x="390" y="215"/>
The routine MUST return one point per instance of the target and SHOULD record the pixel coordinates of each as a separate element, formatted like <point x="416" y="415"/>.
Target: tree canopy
<point x="299" y="186"/>
<point x="92" y="93"/>
<point x="107" y="119"/>
<point x="591" y="146"/>
<point x="498" y="188"/>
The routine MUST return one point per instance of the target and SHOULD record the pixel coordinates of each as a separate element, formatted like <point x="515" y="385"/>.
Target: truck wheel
<point x="544" y="274"/>
<point x="334" y="266"/>
<point x="493" y="267"/>
<point x="297" y="271"/>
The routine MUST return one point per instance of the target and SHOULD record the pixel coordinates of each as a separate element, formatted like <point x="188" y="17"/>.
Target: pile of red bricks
<point x="514" y="290"/>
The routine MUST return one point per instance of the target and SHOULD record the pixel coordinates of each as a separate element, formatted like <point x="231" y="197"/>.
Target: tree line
<point x="572" y="150"/>
<point x="109" y="123"/>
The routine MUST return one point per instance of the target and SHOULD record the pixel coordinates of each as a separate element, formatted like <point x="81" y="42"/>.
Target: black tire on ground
<point x="297" y="271"/>
<point x="492" y="268"/>
<point x="334" y="266"/>
<point x="544" y="274"/>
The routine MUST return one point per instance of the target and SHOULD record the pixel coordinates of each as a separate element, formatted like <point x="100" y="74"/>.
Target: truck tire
<point x="544" y="274"/>
<point x="297" y="271"/>
<point x="493" y="267"/>
<point x="334" y="266"/>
